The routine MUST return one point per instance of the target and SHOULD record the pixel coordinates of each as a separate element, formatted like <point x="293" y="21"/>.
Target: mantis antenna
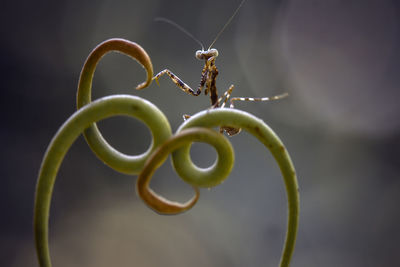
<point x="227" y="23"/>
<point x="181" y="29"/>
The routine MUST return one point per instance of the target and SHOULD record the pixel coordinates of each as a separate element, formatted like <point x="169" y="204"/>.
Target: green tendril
<point x="216" y="174"/>
<point x="240" y="119"/>
<point x="67" y="134"/>
<point x="195" y="129"/>
<point x="110" y="156"/>
<point x="208" y="177"/>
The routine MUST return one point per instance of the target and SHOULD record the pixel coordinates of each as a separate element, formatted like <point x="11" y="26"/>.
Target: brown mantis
<point x="209" y="75"/>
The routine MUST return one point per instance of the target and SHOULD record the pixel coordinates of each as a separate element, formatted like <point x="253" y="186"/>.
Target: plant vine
<point x="195" y="129"/>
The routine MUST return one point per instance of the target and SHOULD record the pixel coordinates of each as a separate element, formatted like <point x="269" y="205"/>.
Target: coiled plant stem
<point x="195" y="129"/>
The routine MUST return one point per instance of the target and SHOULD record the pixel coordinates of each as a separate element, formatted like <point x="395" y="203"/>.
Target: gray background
<point x="338" y="60"/>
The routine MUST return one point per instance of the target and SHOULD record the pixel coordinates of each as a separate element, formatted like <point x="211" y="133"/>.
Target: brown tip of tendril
<point x="164" y="206"/>
<point x="142" y="85"/>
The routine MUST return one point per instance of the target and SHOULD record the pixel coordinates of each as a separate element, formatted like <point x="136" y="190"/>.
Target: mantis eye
<point x="213" y="52"/>
<point x="199" y="54"/>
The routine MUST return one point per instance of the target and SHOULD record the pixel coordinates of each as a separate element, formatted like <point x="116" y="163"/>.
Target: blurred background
<point x="338" y="60"/>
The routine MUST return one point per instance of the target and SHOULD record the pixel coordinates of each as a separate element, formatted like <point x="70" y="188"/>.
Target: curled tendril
<point x="163" y="143"/>
<point x="240" y="119"/>
<point x="208" y="177"/>
<point x="112" y="157"/>
<point x="217" y="173"/>
<point x="66" y="135"/>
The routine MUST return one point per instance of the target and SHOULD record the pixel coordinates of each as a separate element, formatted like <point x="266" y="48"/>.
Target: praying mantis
<point x="209" y="75"/>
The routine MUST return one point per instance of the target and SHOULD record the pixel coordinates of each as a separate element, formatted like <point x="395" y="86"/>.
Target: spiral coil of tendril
<point x="196" y="129"/>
